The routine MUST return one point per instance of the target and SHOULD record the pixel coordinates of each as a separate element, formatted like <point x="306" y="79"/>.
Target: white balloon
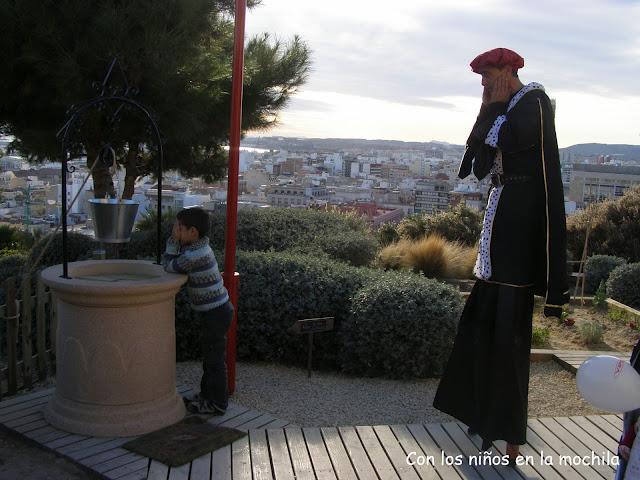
<point x="609" y="383"/>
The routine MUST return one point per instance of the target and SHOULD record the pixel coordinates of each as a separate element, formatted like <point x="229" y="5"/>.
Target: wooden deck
<point x="276" y="450"/>
<point x="571" y="360"/>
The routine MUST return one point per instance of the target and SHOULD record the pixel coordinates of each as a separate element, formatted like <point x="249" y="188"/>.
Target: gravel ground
<point x="329" y="399"/>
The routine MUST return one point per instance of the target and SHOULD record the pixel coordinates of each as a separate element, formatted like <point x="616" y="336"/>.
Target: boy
<point x="188" y="251"/>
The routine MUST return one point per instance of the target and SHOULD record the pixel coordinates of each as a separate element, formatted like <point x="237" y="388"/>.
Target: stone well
<point x="115" y="348"/>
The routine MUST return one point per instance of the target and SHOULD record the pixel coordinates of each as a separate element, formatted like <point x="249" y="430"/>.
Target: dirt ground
<point x="20" y="459"/>
<point x="620" y="332"/>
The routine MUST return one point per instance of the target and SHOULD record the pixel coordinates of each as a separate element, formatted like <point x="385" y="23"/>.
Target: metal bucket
<point x="113" y="219"/>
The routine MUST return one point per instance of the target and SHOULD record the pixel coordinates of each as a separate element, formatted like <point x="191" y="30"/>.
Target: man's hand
<point x="500" y="90"/>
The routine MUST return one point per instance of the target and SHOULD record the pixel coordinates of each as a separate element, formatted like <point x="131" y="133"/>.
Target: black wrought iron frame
<point x="65" y="134"/>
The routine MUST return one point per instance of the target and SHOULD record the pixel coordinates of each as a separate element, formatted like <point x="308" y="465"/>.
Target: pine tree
<point x="176" y="53"/>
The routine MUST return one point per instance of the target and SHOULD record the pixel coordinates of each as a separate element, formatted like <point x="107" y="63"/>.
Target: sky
<point x="400" y="70"/>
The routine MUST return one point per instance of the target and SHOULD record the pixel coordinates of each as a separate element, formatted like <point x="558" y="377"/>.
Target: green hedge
<point x="79" y="247"/>
<point x="597" y="269"/>
<point x="624" y="284"/>
<point x="400" y="326"/>
<point x="342" y="237"/>
<point x="276" y="289"/>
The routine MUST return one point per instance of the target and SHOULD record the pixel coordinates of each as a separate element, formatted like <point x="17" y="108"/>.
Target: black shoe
<point x="471" y="431"/>
<point x="486" y="445"/>
<point x="205" y="407"/>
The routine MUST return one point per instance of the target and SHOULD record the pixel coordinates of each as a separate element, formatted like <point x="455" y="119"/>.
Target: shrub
<point x="539" y="336"/>
<point x="11" y="266"/>
<point x="149" y="220"/>
<point x="591" y="332"/>
<point x="600" y="297"/>
<point x="615" y="227"/>
<point x="597" y="269"/>
<point x="412" y="227"/>
<point x="400" y="326"/>
<point x="618" y="315"/>
<point x="387" y="234"/>
<point x="79" y="247"/>
<point x="343" y="236"/>
<point x="276" y="289"/>
<point x="355" y="248"/>
<point x="461" y="224"/>
<point x="624" y="284"/>
<point x="433" y="256"/>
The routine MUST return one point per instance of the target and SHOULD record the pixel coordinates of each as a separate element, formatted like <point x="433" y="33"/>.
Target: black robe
<point x="485" y="383"/>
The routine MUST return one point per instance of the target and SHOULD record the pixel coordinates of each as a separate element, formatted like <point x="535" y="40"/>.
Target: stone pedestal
<point x="116" y="348"/>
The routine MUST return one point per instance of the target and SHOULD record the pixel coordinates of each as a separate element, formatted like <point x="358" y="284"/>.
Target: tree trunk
<point x="132" y="171"/>
<point x="102" y="181"/>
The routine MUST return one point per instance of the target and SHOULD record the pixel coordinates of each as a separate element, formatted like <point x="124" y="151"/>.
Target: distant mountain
<point x="337" y="144"/>
<point x="625" y="153"/>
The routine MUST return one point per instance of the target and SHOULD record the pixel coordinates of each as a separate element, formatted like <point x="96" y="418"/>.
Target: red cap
<point x="498" y="57"/>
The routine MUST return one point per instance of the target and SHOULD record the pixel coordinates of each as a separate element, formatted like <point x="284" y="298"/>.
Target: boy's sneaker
<point x="205" y="407"/>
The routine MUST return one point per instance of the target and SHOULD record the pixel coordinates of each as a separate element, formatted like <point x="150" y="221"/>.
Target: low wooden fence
<point x="20" y="350"/>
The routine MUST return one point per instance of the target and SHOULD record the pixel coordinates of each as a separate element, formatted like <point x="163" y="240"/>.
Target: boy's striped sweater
<point x="205" y="286"/>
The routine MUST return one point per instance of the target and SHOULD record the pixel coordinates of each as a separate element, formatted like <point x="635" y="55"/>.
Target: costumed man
<point x="522" y="252"/>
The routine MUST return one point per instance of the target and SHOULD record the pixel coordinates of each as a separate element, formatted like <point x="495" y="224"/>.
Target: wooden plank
<point x="116" y="462"/>
<point x="25" y="397"/>
<point x="472" y="453"/>
<point x="91" y="446"/>
<point x="24" y="420"/>
<point x="50" y="436"/>
<point x="318" y="454"/>
<point x="260" y="461"/>
<point x="201" y="468"/>
<point x="539" y="447"/>
<point x="429" y="447"/>
<point x="157" y="471"/>
<point x="595" y="432"/>
<point x="22" y="413"/>
<point x="179" y="473"/>
<point x="563" y="445"/>
<point x="531" y="467"/>
<point x="280" y="459"/>
<point x="139" y="475"/>
<point x="241" y="459"/>
<point x="300" y="460"/>
<point x="241" y="419"/>
<point x="18" y="407"/>
<point x="450" y="449"/>
<point x="134" y="467"/>
<point x="25" y="319"/>
<point x="356" y="452"/>
<point x="110" y="459"/>
<point x="376" y="453"/>
<point x="35" y="425"/>
<point x="220" y="464"/>
<point x="579" y="426"/>
<point x="614" y="420"/>
<point x="232" y="412"/>
<point x="338" y="454"/>
<point x="62" y="442"/>
<point x="605" y="426"/>
<point x="277" y="423"/>
<point x="256" y="423"/>
<point x="12" y="335"/>
<point x="578" y="443"/>
<point x="395" y="453"/>
<point x="41" y="329"/>
<point x="413" y="453"/>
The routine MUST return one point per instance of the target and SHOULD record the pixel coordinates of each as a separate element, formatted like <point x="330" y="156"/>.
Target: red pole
<point x="232" y="281"/>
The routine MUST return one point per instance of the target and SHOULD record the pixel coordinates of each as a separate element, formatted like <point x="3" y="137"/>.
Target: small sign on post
<point x="310" y="326"/>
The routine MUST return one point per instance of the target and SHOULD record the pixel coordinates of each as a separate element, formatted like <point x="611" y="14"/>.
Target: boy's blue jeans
<point x="213" y="345"/>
